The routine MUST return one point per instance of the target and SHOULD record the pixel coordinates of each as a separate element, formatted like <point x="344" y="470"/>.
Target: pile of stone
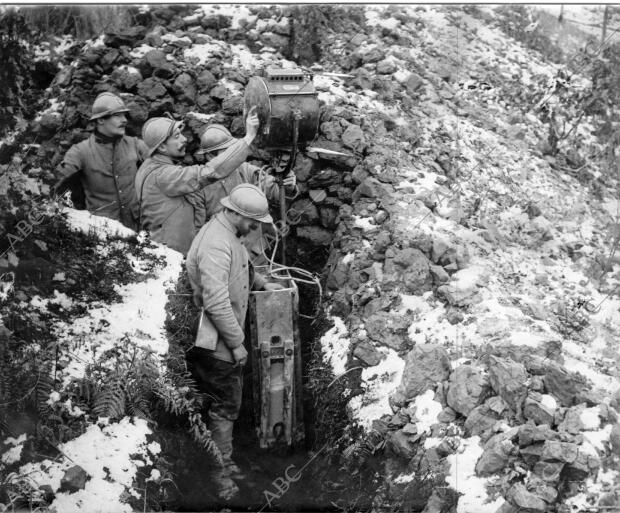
<point x="532" y="417"/>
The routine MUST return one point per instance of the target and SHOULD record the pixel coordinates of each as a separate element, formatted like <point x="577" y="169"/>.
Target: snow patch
<point x="335" y="346"/>
<point x="462" y="477"/>
<point x="380" y="382"/>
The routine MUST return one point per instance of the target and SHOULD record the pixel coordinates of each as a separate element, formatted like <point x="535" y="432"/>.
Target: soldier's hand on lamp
<point x="240" y="355"/>
<point x="251" y="126"/>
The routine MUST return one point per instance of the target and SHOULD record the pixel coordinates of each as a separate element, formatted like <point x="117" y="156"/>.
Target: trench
<point x="307" y="476"/>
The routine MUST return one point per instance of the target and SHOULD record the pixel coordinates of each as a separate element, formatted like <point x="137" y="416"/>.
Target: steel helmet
<point x="156" y="130"/>
<point x="107" y="104"/>
<point x="215" y="137"/>
<point x="249" y="201"/>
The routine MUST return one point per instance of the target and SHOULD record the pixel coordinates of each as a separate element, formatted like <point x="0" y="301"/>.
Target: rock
<point x="367" y="353"/>
<point x="151" y="89"/>
<point x="303" y="212"/>
<point x="332" y="129"/>
<point x="219" y="92"/>
<point x="126" y="77"/>
<point x="537" y="411"/>
<point x="184" y="87"/>
<point x="565" y="452"/>
<point x="387" y="329"/>
<point x="401" y="444"/>
<point x="108" y="60"/>
<point x="614" y="439"/>
<point x="353" y="137"/>
<point x="529" y="434"/>
<point x="73" y="480"/>
<point x="370" y="188"/>
<point x="386" y="67"/>
<point x="584" y="465"/>
<point x="156" y="63"/>
<point x="206" y="81"/>
<point x="324" y="178"/>
<point x="439" y="274"/>
<point x="615" y="401"/>
<point x="447" y="415"/>
<point x="541" y="489"/>
<point x="329" y="218"/>
<point x="456" y="296"/>
<point x="276" y="41"/>
<point x="549" y="471"/>
<point x="425" y="366"/>
<point x="373" y="55"/>
<point x="564" y="385"/>
<point x="413" y="269"/>
<point x="508" y="379"/>
<point x="526" y="501"/>
<point x="440" y="246"/>
<point x="127" y="37"/>
<point x="49" y="124"/>
<point x="233" y="106"/>
<point x="63" y="77"/>
<point x="572" y="422"/>
<point x="481" y="422"/>
<point x="413" y="83"/>
<point x="468" y="388"/>
<point x="497" y="455"/>
<point x="315" y="234"/>
<point x="531" y="453"/>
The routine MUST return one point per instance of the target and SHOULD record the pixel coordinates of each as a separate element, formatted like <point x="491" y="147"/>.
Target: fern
<point x="110" y="400"/>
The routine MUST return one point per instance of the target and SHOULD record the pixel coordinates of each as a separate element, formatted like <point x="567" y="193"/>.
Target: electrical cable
<point x="304" y="276"/>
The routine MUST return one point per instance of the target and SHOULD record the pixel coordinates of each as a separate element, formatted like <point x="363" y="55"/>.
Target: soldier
<point x="165" y="188"/>
<point x="101" y="170"/>
<point x="219" y="272"/>
<point x="213" y="142"/>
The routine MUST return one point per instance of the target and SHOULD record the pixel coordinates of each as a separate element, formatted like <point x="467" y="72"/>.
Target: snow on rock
<point x="426" y="411"/>
<point x="110" y="455"/>
<point x="380" y="382"/>
<point x="462" y="477"/>
<point x="335" y="346"/>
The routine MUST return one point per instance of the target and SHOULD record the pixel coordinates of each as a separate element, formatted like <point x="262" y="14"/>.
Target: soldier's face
<point x="175" y="144"/>
<point x="113" y="125"/>
<point x="246" y="225"/>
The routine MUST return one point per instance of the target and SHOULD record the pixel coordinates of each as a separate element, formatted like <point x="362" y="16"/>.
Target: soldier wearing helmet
<point x="165" y="188"/>
<point x="219" y="272"/>
<point x="214" y="141"/>
<point x="101" y="171"/>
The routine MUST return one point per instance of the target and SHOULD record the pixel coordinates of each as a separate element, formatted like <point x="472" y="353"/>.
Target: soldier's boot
<point x="221" y="433"/>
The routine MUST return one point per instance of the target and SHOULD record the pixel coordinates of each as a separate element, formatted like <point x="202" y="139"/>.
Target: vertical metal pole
<point x="605" y="20"/>
<point x="289" y="166"/>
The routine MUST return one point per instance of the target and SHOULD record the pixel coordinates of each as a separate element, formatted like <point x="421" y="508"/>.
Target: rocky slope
<point x="471" y="277"/>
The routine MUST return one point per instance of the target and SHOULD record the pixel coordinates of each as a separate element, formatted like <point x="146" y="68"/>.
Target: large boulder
<point x="539" y="409"/>
<point x="425" y="366"/>
<point x="387" y="329"/>
<point x="468" y="388"/>
<point x="481" y="422"/>
<point x="508" y="379"/>
<point x="497" y="455"/>
<point x="565" y="386"/>
<point x="519" y="496"/>
<point x="413" y="269"/>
